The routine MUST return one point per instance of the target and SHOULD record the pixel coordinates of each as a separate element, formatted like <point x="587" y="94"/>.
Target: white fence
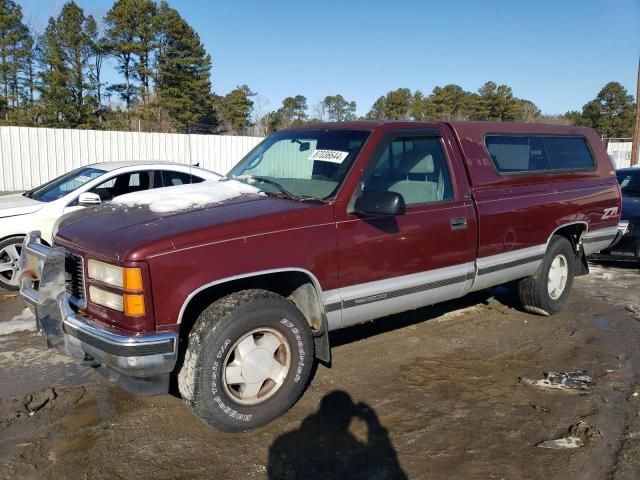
<point x="620" y="152"/>
<point x="32" y="156"/>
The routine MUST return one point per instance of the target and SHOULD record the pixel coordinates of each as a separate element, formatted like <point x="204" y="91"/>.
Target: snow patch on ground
<point x="185" y="197"/>
<point x="20" y="323"/>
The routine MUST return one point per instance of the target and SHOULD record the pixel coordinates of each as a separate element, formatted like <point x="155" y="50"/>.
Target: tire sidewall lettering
<point x="298" y="363"/>
<point x="215" y="372"/>
<point x="301" y="352"/>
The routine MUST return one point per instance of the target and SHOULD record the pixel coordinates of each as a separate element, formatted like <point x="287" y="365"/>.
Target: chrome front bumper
<point x="129" y="359"/>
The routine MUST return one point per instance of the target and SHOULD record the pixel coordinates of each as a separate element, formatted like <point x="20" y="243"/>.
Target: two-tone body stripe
<point x="405" y="291"/>
<point x="599" y="238"/>
<point x="491" y="270"/>
<point x="396" y="288"/>
<point x="332" y="307"/>
<point x="511" y="264"/>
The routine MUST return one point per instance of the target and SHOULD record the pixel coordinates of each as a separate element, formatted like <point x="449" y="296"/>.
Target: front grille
<point x="74" y="275"/>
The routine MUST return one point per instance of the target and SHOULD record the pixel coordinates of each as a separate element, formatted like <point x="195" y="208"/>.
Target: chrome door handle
<point x="458" y="223"/>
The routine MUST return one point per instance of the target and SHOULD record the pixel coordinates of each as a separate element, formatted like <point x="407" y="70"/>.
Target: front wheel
<point x="546" y="290"/>
<point x="9" y="262"/>
<point x="248" y="360"/>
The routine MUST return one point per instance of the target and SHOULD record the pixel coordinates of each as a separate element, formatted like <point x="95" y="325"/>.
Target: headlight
<point x="128" y="278"/>
<point x="125" y="278"/>
<point x="106" y="299"/>
<point x="105" y="273"/>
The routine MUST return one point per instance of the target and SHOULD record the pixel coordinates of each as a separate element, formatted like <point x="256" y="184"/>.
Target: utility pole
<point x="636" y="131"/>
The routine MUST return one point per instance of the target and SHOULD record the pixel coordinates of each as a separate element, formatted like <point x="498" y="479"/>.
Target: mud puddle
<point x="38" y="430"/>
<point x="25" y="356"/>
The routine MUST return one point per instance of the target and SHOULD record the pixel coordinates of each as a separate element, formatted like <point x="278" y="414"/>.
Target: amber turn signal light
<point x="132" y="279"/>
<point x="133" y="305"/>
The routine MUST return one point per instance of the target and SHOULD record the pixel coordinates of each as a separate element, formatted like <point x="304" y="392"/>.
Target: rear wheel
<point x="249" y="358"/>
<point x="10" y="250"/>
<point x="546" y="290"/>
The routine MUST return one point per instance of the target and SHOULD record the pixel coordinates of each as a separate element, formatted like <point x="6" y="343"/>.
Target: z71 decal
<point x="610" y="212"/>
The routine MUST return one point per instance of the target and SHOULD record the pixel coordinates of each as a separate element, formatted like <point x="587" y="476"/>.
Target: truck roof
<point x="470" y="127"/>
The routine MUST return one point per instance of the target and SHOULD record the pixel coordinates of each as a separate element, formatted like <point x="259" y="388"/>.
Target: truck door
<point x="396" y="263"/>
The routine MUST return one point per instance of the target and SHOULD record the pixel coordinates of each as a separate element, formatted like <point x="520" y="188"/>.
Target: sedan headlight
<point x="128" y="279"/>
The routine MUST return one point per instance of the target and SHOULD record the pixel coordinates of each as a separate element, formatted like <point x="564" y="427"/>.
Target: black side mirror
<point x="379" y="204"/>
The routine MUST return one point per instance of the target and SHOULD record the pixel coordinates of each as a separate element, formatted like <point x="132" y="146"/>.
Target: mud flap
<point x="582" y="266"/>
<point x="321" y="341"/>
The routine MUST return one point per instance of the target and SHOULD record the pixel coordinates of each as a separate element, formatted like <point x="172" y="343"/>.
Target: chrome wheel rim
<point x="10" y="263"/>
<point x="558" y="274"/>
<point x="256" y="366"/>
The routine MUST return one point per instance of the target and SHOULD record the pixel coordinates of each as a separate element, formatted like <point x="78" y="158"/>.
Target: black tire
<point x="8" y="277"/>
<point x="534" y="291"/>
<point x="212" y="340"/>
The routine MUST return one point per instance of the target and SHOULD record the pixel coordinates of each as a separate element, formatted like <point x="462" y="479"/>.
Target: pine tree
<point x="395" y="105"/>
<point x="147" y="38"/>
<point x="496" y="102"/>
<point x="611" y="113"/>
<point x="99" y="49"/>
<point x="183" y="83"/>
<point x="29" y="71"/>
<point x="293" y="112"/>
<point x="120" y="35"/>
<point x="335" y="108"/>
<point x="235" y="109"/>
<point x="76" y="49"/>
<point x="14" y="36"/>
<point x="56" y="99"/>
<point x="131" y="38"/>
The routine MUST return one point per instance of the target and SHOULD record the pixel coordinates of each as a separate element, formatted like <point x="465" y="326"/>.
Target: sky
<point x="558" y="53"/>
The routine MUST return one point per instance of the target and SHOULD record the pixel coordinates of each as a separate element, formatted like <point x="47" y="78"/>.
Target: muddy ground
<point x="431" y="394"/>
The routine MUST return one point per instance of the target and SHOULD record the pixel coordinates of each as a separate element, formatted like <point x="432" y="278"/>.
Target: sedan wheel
<point x="9" y="263"/>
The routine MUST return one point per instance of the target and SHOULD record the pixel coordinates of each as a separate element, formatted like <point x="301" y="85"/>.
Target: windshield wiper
<point x="282" y="188"/>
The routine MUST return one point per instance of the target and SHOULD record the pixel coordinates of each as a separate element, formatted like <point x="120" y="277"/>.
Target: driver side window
<point x="122" y="184"/>
<point x="414" y="167"/>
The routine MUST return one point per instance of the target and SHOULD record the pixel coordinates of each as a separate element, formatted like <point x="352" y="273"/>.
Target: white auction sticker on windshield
<point x="333" y="156"/>
<point x="82" y="179"/>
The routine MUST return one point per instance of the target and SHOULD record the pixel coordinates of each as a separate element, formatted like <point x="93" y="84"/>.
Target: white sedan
<point x="40" y="208"/>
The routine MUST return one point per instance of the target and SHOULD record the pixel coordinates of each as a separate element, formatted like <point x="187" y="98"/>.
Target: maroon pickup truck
<point x="232" y="287"/>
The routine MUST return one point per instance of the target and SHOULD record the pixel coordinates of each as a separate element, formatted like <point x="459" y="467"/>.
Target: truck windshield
<point x="61" y="186"/>
<point x="301" y="164"/>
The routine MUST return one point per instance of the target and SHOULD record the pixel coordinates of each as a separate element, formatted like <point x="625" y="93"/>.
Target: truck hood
<point x="122" y="232"/>
<point x="18" y="204"/>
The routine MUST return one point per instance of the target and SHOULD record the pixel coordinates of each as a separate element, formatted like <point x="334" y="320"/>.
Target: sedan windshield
<point x="629" y="182"/>
<point x="306" y="164"/>
<point x="64" y="185"/>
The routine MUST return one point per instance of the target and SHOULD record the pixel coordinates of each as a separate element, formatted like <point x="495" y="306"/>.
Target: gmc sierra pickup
<point x="233" y="287"/>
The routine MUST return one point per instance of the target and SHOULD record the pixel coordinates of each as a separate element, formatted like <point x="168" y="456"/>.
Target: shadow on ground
<point x="339" y="449"/>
